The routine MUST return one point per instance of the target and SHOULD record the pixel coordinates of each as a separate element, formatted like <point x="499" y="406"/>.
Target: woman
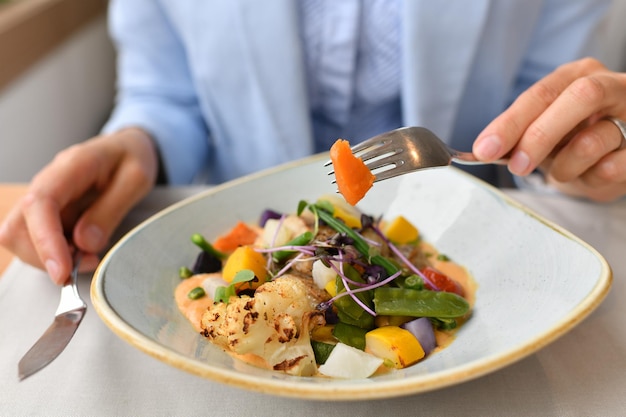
<point x="215" y="90"/>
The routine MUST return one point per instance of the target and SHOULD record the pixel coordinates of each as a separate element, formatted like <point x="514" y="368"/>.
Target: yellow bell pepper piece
<point x="401" y="231"/>
<point x="331" y="288"/>
<point x="323" y="334"/>
<point x="245" y="257"/>
<point x="344" y="211"/>
<point x="394" y="344"/>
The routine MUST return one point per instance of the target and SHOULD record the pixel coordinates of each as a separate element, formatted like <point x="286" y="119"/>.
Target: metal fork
<point x="409" y="149"/>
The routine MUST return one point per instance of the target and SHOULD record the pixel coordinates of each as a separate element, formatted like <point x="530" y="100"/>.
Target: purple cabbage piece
<point x="423" y="331"/>
<point x="268" y="214"/>
<point x="206" y="263"/>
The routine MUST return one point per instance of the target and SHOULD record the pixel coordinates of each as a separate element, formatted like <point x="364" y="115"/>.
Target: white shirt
<point x="353" y="63"/>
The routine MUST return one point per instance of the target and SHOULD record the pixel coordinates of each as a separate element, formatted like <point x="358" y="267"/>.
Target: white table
<point x="581" y="374"/>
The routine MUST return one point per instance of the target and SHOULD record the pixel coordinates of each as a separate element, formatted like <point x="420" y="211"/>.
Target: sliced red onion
<point x="423" y="331"/>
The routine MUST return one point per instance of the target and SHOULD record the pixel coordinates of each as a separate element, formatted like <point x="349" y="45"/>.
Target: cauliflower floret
<point x="274" y="324"/>
<point x="290" y="227"/>
<point x="287" y="294"/>
<point x="297" y="357"/>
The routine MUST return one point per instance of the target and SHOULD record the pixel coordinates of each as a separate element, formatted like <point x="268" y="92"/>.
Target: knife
<point x="68" y="316"/>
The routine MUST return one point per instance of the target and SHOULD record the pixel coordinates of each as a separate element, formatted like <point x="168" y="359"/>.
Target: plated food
<point x="326" y="290"/>
<point x="536" y="281"/>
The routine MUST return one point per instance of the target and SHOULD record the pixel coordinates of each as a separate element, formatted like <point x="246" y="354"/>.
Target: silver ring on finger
<point x="621" y="125"/>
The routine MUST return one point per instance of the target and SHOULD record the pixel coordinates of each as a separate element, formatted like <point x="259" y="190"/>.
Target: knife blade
<point x="68" y="316"/>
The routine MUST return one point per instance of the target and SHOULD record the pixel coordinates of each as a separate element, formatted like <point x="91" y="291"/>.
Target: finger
<point x="47" y="236"/>
<point x="129" y="185"/>
<point x="501" y="135"/>
<point x="57" y="186"/>
<point x="14" y="237"/>
<point x="584" y="98"/>
<point x="603" y="182"/>
<point x="586" y="149"/>
<point x="611" y="169"/>
<point x="602" y="194"/>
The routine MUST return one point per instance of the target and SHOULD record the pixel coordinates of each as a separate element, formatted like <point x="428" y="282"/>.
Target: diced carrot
<point x="353" y="177"/>
<point x="241" y="234"/>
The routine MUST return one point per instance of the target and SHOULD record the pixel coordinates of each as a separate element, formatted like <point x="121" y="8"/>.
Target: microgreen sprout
<point x="349" y="291"/>
<point x="223" y="293"/>
<point x="403" y="258"/>
<point x="288" y="265"/>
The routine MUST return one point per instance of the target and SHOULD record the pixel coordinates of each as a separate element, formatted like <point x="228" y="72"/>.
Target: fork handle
<point x="468" y="158"/>
<point x="70" y="298"/>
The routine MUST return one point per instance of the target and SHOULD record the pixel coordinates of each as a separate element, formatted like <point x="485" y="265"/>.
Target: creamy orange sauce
<point x="192" y="309"/>
<point x="455" y="271"/>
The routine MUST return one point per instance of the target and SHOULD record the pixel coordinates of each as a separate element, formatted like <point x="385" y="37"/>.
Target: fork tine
<point x="377" y="159"/>
<point x="390" y="173"/>
<point x="368" y="151"/>
<point x="374" y="143"/>
<point x="393" y="161"/>
<point x="387" y="150"/>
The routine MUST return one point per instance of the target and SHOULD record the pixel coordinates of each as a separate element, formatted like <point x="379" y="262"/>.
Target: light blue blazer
<point x="221" y="84"/>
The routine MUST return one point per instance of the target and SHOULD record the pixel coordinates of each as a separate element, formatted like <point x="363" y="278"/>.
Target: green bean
<point x="300" y="240"/>
<point x="443" y="324"/>
<point x="321" y="350"/>
<point x="366" y="321"/>
<point x="184" y="272"/>
<point x="199" y="240"/>
<point x="350" y="335"/>
<point x="348" y="310"/>
<point x="359" y="243"/>
<point x="412" y="282"/>
<point x="196" y="293"/>
<point x="406" y="302"/>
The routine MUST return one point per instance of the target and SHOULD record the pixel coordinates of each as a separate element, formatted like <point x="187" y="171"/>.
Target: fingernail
<point x="94" y="235"/>
<point x="53" y="269"/>
<point x="488" y="147"/>
<point x="519" y="163"/>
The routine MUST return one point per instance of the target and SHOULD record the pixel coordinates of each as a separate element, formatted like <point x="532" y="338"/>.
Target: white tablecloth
<point x="581" y="374"/>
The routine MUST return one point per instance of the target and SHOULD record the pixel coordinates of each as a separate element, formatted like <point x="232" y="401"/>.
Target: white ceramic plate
<point x="535" y="280"/>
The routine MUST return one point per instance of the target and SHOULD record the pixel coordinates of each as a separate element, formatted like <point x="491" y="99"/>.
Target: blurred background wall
<point x="57" y="74"/>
